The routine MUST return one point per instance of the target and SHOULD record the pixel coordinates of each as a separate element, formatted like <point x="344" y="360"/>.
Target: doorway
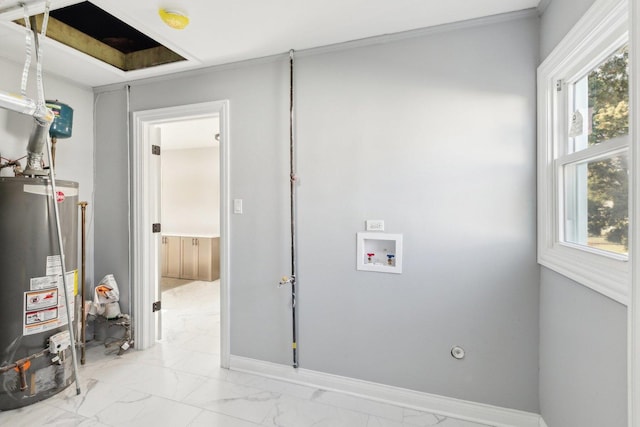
<point x="190" y="218"/>
<point x="146" y="203"/>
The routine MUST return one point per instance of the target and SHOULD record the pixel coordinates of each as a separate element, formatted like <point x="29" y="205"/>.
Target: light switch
<point x="237" y="206"/>
<point x="374" y="225"/>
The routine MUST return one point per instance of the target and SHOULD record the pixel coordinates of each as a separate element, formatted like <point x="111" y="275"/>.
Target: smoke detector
<point x="174" y="19"/>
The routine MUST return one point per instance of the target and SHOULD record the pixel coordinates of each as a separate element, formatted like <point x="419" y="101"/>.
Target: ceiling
<point x="224" y="31"/>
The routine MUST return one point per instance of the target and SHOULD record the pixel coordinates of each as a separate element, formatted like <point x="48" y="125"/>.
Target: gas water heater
<point x="35" y="343"/>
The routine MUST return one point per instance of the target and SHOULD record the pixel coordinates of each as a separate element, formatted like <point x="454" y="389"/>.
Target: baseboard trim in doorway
<point x="441" y="405"/>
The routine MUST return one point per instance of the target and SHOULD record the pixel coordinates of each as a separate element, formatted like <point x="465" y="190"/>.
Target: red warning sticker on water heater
<point x="59" y="196"/>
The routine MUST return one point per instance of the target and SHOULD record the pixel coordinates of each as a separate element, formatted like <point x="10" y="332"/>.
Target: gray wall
<point x="556" y="21"/>
<point x="582" y="334"/>
<point x="112" y="192"/>
<point x="583" y="358"/>
<point x="435" y="134"/>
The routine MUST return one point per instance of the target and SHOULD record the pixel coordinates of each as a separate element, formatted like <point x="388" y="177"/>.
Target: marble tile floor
<point x="179" y="383"/>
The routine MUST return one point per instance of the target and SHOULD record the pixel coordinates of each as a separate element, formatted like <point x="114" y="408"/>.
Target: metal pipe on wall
<point x="292" y="198"/>
<point x="83" y="319"/>
<point x="291" y="280"/>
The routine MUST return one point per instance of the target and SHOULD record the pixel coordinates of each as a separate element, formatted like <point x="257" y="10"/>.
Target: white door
<point x="155" y="215"/>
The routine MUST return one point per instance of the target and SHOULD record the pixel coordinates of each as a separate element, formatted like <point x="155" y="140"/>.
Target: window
<point x="583" y="153"/>
<point x="592" y="159"/>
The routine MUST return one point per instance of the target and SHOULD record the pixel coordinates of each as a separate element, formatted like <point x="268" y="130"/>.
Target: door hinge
<point x="559" y="86"/>
<point x="155" y="149"/>
<point x="157" y="306"/>
<point x="155" y="228"/>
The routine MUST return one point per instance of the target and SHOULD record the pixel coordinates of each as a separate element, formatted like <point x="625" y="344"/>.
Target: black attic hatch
<point x="93" y="31"/>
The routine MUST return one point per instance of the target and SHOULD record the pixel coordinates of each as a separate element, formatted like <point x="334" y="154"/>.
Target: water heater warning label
<point x="40" y="318"/>
<point x="44" y="304"/>
<point x="54" y="265"/>
<point x="41" y="299"/>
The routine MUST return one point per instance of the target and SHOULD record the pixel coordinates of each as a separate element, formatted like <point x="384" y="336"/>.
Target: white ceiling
<point x="224" y="31"/>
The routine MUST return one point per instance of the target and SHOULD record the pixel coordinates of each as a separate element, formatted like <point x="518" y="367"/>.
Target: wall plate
<point x="374" y="225"/>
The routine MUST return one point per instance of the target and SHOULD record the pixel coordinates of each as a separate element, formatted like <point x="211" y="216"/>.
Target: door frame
<point x="145" y="259"/>
<point x="633" y="310"/>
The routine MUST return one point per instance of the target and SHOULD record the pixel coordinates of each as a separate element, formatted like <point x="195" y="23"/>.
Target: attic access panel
<point x="93" y="31"/>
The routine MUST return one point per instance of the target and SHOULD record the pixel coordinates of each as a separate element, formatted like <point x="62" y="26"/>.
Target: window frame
<point x="602" y="30"/>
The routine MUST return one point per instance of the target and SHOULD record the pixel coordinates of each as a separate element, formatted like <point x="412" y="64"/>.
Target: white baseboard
<point x="441" y="405"/>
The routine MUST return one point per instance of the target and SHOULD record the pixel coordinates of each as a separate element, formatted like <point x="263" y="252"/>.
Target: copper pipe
<point x="83" y="319"/>
<point x="53" y="152"/>
<point x="22" y="371"/>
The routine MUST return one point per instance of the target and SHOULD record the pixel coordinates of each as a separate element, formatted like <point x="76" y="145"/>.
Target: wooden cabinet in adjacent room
<point x="197" y="258"/>
<point x="189" y="258"/>
<point x="171" y="256"/>
<point x="208" y="258"/>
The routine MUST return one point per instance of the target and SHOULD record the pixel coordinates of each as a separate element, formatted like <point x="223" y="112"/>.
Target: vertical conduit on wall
<point x="292" y="184"/>
<point x="292" y="199"/>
